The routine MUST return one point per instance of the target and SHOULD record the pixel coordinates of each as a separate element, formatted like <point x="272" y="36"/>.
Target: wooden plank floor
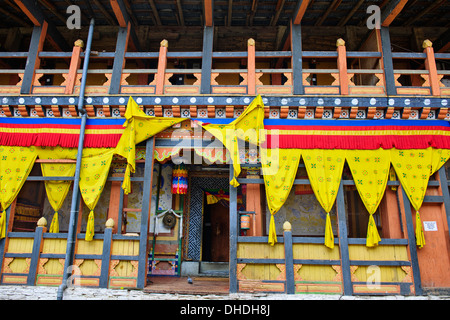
<point x="200" y="285"/>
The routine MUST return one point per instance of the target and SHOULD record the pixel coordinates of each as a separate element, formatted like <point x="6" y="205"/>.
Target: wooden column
<point x="342" y="66"/>
<point x="343" y="242"/>
<point x="33" y="60"/>
<point x="297" y="60"/>
<point x="115" y="203"/>
<point x="119" y="59"/>
<point x="430" y="64"/>
<point x="162" y="65"/>
<point x="388" y="65"/>
<point x="412" y="243"/>
<point x="251" y="67"/>
<point x="36" y="251"/>
<point x="289" y="258"/>
<point x="145" y="214"/>
<point x="75" y="62"/>
<point x="233" y="235"/>
<point x="445" y="193"/>
<point x="254" y="204"/>
<point x="208" y="39"/>
<point x="106" y="253"/>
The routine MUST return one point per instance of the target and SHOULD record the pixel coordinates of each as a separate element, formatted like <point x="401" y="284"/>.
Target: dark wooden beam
<point x="119" y="58"/>
<point x="180" y="12"/>
<point x="105" y="12"/>
<point x="433" y="6"/>
<point x="442" y="43"/>
<point x="388" y="65"/>
<point x="299" y="11"/>
<point x="350" y="14"/>
<point x="391" y="11"/>
<point x="35" y="14"/>
<point x="278" y="9"/>
<point x="296" y="48"/>
<point x="51" y="7"/>
<point x="208" y="40"/>
<point x="123" y="18"/>
<point x="208" y="10"/>
<point x="155" y="12"/>
<point x="230" y="12"/>
<point x="33" y="61"/>
<point x="330" y="8"/>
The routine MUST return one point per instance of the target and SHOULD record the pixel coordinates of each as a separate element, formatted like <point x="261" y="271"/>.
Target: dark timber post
<point x="296" y="47"/>
<point x="233" y="234"/>
<point x="343" y="242"/>
<point x="147" y="194"/>
<point x="208" y="37"/>
<point x="288" y="258"/>
<point x="412" y="244"/>
<point x="387" y="61"/>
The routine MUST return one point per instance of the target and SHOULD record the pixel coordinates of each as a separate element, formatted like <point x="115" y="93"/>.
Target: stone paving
<point x="49" y="293"/>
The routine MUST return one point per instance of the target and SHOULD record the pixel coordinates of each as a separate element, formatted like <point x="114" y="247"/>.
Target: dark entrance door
<point x="216" y="231"/>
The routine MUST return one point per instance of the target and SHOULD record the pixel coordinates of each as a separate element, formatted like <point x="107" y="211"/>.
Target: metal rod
<point x="71" y="236"/>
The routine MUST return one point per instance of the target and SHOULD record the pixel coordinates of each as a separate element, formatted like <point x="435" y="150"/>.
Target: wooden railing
<point x="355" y="79"/>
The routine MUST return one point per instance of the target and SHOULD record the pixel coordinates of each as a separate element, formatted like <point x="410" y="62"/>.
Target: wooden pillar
<point x="115" y="204"/>
<point x="342" y="66"/>
<point x="388" y="65"/>
<point x="106" y="253"/>
<point x="254" y="204"/>
<point x="251" y="67"/>
<point x="343" y="242"/>
<point x="208" y="39"/>
<point x="233" y="235"/>
<point x="289" y="258"/>
<point x="75" y="62"/>
<point x="412" y="243"/>
<point x="430" y="64"/>
<point x="119" y="59"/>
<point x="445" y="193"/>
<point x="33" y="60"/>
<point x="36" y="251"/>
<point x="162" y="65"/>
<point x="145" y="214"/>
<point x="297" y="60"/>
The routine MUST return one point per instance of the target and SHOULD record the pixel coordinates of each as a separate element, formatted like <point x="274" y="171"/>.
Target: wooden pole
<point x="430" y="64"/>
<point x="251" y="67"/>
<point x="75" y="62"/>
<point x="162" y="65"/>
<point x="342" y="66"/>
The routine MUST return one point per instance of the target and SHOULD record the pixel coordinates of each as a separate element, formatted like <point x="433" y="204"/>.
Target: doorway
<point x="216" y="232"/>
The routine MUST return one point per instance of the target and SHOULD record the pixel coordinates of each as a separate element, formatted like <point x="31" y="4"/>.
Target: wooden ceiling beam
<point x="208" y="10"/>
<point x="105" y="12"/>
<point x="230" y="12"/>
<point x="279" y="8"/>
<point x="300" y="10"/>
<point x="124" y="19"/>
<point x="391" y="11"/>
<point x="430" y="8"/>
<point x="330" y="8"/>
<point x="35" y="14"/>
<point x="350" y="14"/>
<point x="155" y="12"/>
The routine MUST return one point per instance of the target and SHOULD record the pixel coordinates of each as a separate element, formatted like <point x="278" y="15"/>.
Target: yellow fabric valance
<point x="324" y="169"/>
<point x="57" y="190"/>
<point x="279" y="167"/>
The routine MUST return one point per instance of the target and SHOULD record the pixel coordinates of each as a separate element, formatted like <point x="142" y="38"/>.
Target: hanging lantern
<point x="179" y="179"/>
<point x="245" y="222"/>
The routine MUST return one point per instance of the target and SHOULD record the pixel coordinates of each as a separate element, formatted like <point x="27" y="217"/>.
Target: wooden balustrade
<point x="340" y="80"/>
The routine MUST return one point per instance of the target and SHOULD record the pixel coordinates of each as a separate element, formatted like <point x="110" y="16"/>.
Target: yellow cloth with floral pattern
<point x="94" y="171"/>
<point x="138" y="127"/>
<point x="324" y="168"/>
<point x="370" y="171"/>
<point x="413" y="168"/>
<point x="249" y="126"/>
<point x="57" y="190"/>
<point x="15" y="166"/>
<point x="279" y="167"/>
